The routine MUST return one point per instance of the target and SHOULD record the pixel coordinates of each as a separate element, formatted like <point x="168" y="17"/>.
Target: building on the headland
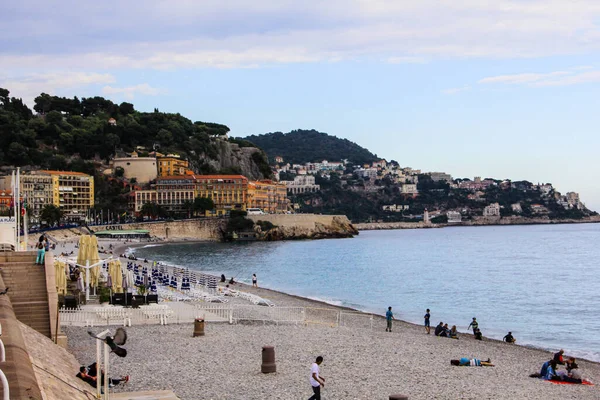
<point x="370" y="173"/>
<point x="516" y="208"/>
<point x="72" y="192"/>
<point x="278" y="159"/>
<point x="426" y="216"/>
<point x="492" y="210"/>
<point x="539" y="209"/>
<point x="395" y="207"/>
<point x="454" y="217"/>
<point x="379" y="164"/>
<point x="440" y="176"/>
<point x="302" y="184"/>
<point x="228" y="192"/>
<point x="270" y="197"/>
<point x="172" y="165"/>
<point x="409" y="188"/>
<point x="143" y="169"/>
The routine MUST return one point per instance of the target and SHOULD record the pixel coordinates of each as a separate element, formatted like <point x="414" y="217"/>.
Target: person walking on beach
<point x="316" y="380"/>
<point x="427" y="326"/>
<point x="473" y="324"/>
<point x="254" y="281"/>
<point x="389" y="316"/>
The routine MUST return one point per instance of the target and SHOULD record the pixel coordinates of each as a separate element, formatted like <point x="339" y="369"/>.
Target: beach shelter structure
<point x="87" y="256"/>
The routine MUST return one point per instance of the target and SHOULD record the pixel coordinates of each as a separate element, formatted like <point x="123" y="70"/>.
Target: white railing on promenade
<point x="220" y="312"/>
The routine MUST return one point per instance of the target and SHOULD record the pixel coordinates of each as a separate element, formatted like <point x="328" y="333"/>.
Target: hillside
<point x="65" y="133"/>
<point x="301" y="146"/>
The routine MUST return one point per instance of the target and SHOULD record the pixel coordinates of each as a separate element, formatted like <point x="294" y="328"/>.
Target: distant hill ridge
<point x="302" y="146"/>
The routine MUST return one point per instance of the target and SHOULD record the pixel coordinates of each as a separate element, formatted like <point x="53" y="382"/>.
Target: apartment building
<point x="269" y="196"/>
<point x="172" y="165"/>
<point x="228" y="192"/>
<point x="73" y="192"/>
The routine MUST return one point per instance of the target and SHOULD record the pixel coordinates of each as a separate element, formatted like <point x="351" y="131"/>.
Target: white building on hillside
<point x="493" y="210"/>
<point x="454" y="217"/>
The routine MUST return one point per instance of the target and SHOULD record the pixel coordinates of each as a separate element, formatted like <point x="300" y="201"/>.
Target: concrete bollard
<point x="198" y="327"/>
<point x="268" y="360"/>
<point x="398" y="397"/>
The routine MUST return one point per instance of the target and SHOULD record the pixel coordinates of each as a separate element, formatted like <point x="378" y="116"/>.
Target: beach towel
<point x="584" y="382"/>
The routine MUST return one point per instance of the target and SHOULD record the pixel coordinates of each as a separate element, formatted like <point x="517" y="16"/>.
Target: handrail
<point x="5" y="387"/>
<point x="2" y="351"/>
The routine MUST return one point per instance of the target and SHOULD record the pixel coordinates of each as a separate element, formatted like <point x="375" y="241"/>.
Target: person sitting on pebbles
<point x="471" y="362"/>
<point x="509" y="338"/>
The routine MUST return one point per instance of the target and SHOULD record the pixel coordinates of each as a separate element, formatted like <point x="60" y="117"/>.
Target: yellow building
<point x="228" y="192"/>
<point x="269" y="196"/>
<point x="73" y="192"/>
<point x="171" y="165"/>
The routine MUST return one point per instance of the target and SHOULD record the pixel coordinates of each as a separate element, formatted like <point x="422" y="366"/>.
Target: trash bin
<point x="268" y="360"/>
<point x="198" y="327"/>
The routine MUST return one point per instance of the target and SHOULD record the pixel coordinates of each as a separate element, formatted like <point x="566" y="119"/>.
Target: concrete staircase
<point x="28" y="293"/>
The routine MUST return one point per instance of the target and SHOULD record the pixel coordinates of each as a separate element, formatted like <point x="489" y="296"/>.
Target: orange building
<point x="269" y="196"/>
<point x="228" y="192"/>
<point x="172" y="165"/>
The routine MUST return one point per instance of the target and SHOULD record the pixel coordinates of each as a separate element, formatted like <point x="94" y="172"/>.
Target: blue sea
<point x="540" y="282"/>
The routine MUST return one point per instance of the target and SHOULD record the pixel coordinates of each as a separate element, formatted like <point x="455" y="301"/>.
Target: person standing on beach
<point x="254" y="281"/>
<point x="473" y="324"/>
<point x="427" y="326"/>
<point x="389" y="316"/>
<point x="316" y="380"/>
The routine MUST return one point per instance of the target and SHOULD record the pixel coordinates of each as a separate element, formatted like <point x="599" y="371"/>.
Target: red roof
<point x="192" y="177"/>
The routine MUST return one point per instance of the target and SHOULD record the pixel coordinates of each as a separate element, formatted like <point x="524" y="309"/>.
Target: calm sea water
<point x="540" y="282"/>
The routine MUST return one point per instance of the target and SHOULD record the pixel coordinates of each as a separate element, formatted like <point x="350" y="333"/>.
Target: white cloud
<point x="30" y="86"/>
<point x="406" y="60"/>
<point x="522" y="78"/>
<point x="573" y="76"/>
<point x="130" y="91"/>
<point x="237" y="33"/>
<point x="456" y="90"/>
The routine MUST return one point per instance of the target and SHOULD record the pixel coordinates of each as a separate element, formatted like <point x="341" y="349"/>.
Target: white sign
<point x="7" y="220"/>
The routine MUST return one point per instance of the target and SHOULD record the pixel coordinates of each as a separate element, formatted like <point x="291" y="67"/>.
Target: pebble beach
<point x="359" y="362"/>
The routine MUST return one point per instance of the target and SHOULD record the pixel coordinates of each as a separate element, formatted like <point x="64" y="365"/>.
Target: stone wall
<point x="197" y="229"/>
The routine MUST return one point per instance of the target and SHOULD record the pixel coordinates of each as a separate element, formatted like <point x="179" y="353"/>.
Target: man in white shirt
<point x="316" y="380"/>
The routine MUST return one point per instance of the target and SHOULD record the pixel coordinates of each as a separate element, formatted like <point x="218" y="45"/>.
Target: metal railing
<point x="163" y="314"/>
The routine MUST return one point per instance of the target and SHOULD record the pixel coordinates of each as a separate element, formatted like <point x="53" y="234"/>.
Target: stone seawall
<point x="196" y="229"/>
<point x="288" y="226"/>
<point x="479" y="221"/>
<point x="306" y="226"/>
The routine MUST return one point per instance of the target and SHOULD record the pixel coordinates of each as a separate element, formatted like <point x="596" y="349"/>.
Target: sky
<point x="490" y="88"/>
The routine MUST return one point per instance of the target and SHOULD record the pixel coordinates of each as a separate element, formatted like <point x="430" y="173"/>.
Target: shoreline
<point x="373" y="226"/>
<point x="360" y="361"/>
<point x="308" y="302"/>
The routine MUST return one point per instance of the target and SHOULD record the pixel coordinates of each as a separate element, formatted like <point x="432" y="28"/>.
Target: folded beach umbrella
<point x="153" y="287"/>
<point x="60" y="277"/>
<point x="165" y="281"/>
<point x="115" y="271"/>
<point x="173" y="283"/>
<point x="83" y="247"/>
<point x="93" y="257"/>
<point x="130" y="280"/>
